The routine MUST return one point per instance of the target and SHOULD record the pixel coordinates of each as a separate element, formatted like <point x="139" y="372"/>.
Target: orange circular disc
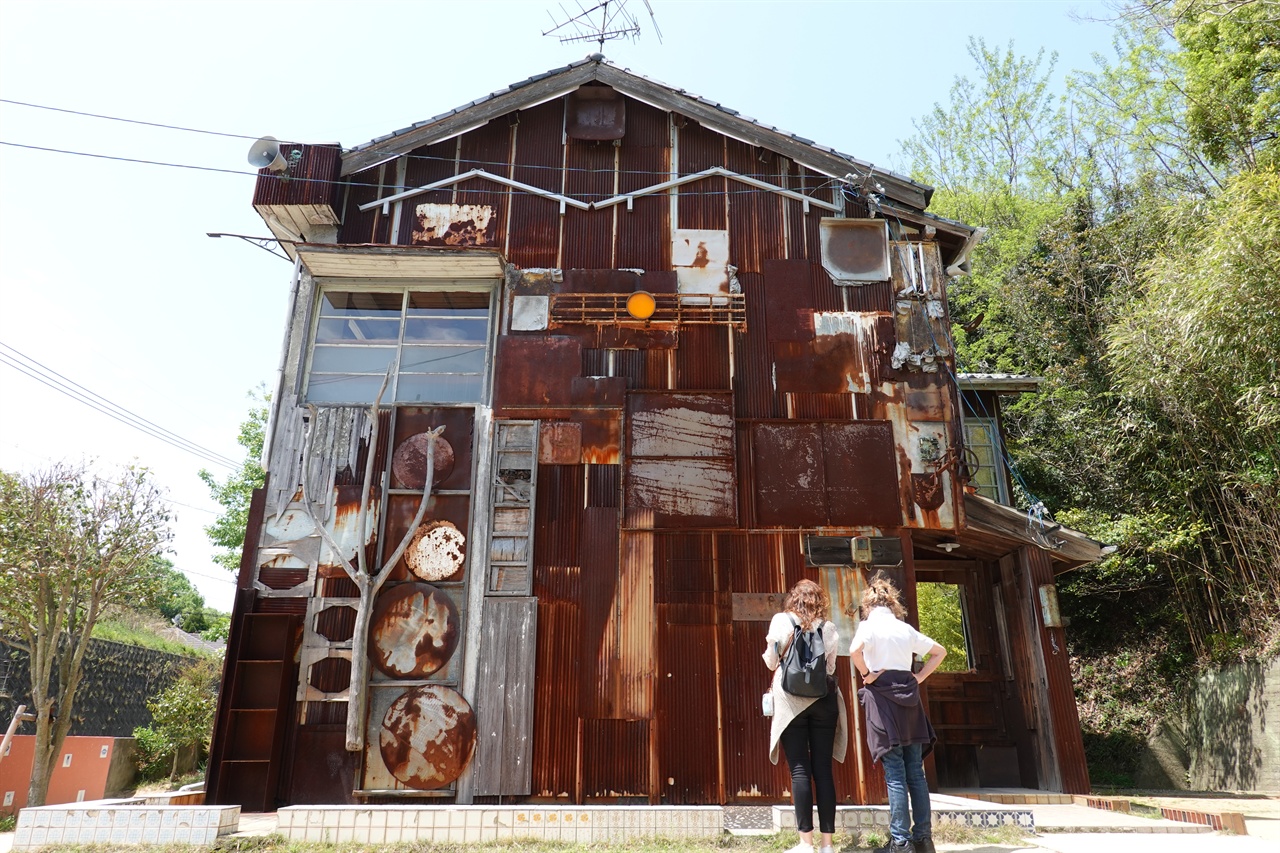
<point x="641" y="305"/>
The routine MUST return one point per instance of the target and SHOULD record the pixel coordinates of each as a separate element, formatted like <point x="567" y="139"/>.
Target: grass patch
<point x="8" y="822"/>
<point x="133" y="629"/>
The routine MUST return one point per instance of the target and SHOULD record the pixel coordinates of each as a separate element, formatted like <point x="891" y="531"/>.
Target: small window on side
<point x="943" y="617"/>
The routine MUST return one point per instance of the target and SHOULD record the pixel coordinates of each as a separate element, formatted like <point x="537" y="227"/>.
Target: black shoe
<point x="924" y="845"/>
<point x="896" y="847"/>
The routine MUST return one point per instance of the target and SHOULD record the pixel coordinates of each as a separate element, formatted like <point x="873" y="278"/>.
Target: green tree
<point x="72" y="543"/>
<point x="182" y="715"/>
<point x="942" y="618"/>
<point x="236" y="492"/>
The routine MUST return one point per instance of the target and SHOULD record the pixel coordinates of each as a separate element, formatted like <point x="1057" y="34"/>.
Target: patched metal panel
<point x="681" y="459"/>
<point x="601" y="684"/>
<point x="560" y="443"/>
<point x="701" y="259"/>
<point x="861" y="474"/>
<point x="790" y="475"/>
<point x="689" y="743"/>
<point x="555" y="712"/>
<point x="788" y="297"/>
<point x="601" y="439"/>
<point x="454" y="225"/>
<point x="535" y="373"/>
<point x="842" y="357"/>
<point x="702" y="359"/>
<point x="415" y="630"/>
<point x="749" y="775"/>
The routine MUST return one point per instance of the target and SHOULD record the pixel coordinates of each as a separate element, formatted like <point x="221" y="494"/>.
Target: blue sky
<point x="107" y="277"/>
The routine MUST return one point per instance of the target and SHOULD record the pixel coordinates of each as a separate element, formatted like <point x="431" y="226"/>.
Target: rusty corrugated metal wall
<point x="680" y="464"/>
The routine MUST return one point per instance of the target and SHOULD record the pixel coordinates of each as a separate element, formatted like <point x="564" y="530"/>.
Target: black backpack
<point x="804" y="667"/>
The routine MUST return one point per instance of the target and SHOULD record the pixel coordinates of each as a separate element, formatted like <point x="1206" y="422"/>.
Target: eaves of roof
<point x="557" y="82"/>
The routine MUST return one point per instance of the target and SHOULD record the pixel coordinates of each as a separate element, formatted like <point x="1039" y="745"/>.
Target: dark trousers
<point x="807" y="743"/>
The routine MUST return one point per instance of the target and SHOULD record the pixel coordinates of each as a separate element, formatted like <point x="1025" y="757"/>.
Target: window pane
<point x="334" y="329"/>
<point x="434" y="303"/>
<point x="429" y="388"/>
<point x="352" y="359"/>
<point x="337" y="303"/>
<point x="442" y="360"/>
<point x="447" y="329"/>
<point x="942" y="616"/>
<point x="341" y="388"/>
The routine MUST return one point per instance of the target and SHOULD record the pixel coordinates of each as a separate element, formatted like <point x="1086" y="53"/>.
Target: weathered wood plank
<point x="504" y="698"/>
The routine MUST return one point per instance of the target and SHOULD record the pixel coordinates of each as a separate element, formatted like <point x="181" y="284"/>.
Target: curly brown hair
<point x="880" y="592"/>
<point x="808" y="601"/>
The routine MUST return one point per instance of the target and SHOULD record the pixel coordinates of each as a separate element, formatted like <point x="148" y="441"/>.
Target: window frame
<point x="390" y="397"/>
<point x="991" y="426"/>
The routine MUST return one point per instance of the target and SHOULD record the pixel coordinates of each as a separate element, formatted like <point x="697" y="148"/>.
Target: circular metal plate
<point x="409" y="462"/>
<point x="428" y="736"/>
<point x="415" y="631"/>
<point x="437" y="551"/>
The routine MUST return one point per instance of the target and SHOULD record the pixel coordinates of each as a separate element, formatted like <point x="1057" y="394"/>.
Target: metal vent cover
<point x="855" y="251"/>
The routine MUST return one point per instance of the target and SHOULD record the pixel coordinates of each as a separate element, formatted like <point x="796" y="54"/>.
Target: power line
<point x="74" y="390"/>
<point x="125" y="120"/>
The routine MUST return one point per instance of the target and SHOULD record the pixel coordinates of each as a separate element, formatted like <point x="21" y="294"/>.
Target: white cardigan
<point x="787" y="707"/>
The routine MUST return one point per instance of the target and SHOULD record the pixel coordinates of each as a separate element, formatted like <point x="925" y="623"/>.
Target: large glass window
<point x="438" y="338"/>
<point x="982" y="439"/>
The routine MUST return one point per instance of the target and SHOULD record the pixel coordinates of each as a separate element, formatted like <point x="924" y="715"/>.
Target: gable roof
<point x="595" y="68"/>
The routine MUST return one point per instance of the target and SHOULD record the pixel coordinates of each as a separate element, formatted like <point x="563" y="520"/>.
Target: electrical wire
<point x="126" y="120"/>
<point x="51" y="378"/>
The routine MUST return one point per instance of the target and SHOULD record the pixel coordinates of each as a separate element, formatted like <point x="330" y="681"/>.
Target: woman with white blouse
<point x="810" y="731"/>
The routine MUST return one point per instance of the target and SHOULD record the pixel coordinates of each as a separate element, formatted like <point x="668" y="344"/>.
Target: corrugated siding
<point x="702" y="204"/>
<point x="753" y="361"/>
<point x="535" y="222"/>
<point x="702" y="359"/>
<point x="601" y="664"/>
<point x="487" y="148"/>
<point x="589" y="176"/>
<point x="755" y="216"/>
<point x="748" y="772"/>
<point x="426" y="165"/>
<point x="555" y="709"/>
<point x="688" y="742"/>
<point x="618" y="765"/>
<point x="644" y="160"/>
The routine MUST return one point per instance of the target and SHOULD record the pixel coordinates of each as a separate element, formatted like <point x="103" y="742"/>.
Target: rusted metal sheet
<point x="533" y="240"/>
<point x="822" y="407"/>
<point x="861" y="472"/>
<point x="598" y="392"/>
<point x="749" y="776"/>
<point x="309" y="179"/>
<point x="437" y="538"/>
<point x="459" y="427"/>
<point x="788" y="300"/>
<point x="604" y="485"/>
<point x="877" y="297"/>
<point x="330" y="675"/>
<point x="454" y="225"/>
<point x="415" y="631"/>
<point x="535" y="373"/>
<point x="601" y="438"/>
<point x="369" y="226"/>
<point x="701" y="259"/>
<point x="681" y="450"/>
<point x="336" y="624"/>
<point x="688" y="569"/>
<point x="702" y="359"/>
<point x="556" y="744"/>
<point x="790" y="477"/>
<point x="842" y="357"/>
<point x="632" y="622"/>
<point x="409" y="464"/>
<point x="755" y="218"/>
<point x="756" y="606"/>
<point x="589" y="176"/>
<point x="437" y="551"/>
<point x="327" y="782"/>
<point x="426" y="165"/>
<point x="596" y="113"/>
<point x="599" y="281"/>
<point x="689" y="744"/>
<point x="558" y="520"/>
<point x="427" y="736"/>
<point x="625" y="771"/>
<point x="645" y="370"/>
<point x="560" y="443"/>
<point x="701" y="204"/>
<point x="753" y="358"/>
<point x="643" y="159"/>
<point x="601" y="670"/>
<point x="488" y="148"/>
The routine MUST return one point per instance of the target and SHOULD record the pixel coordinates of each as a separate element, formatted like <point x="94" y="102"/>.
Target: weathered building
<point x="578" y="380"/>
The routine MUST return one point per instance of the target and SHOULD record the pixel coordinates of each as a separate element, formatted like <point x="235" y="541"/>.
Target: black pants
<point x="808" y="742"/>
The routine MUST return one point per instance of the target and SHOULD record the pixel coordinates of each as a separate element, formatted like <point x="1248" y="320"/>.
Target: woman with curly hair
<point x="898" y="732"/>
<point x="811" y="731"/>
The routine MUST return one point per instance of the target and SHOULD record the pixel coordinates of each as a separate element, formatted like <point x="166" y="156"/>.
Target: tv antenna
<point x="599" y="22"/>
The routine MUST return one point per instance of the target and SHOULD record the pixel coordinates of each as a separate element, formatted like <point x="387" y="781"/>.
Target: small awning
<point x="400" y="263"/>
<point x="1004" y="383"/>
<point x="1068" y="548"/>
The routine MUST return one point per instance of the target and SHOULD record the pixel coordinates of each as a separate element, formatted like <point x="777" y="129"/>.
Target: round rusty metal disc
<point x="409" y="462"/>
<point x="415" y="630"/>
<point x="437" y="551"/>
<point x="428" y="736"/>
